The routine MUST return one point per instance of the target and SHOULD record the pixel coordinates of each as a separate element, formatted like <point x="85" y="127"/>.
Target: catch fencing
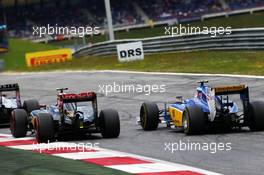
<point x="239" y="39"/>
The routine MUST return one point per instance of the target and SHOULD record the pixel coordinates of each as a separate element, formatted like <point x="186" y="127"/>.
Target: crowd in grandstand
<point x="180" y="9"/>
<point x="240" y="4"/>
<point x="20" y="19"/>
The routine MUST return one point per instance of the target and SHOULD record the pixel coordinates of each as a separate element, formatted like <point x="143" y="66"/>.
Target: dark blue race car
<point x="211" y="108"/>
<point x="72" y="114"/>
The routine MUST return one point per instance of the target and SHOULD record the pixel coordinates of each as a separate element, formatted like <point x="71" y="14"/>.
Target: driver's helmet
<point x="199" y="92"/>
<point x="69" y="107"/>
<point x="202" y="92"/>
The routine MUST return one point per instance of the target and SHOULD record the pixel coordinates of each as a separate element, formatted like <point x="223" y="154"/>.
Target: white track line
<point x="88" y="155"/>
<point x="170" y="164"/>
<point x="135" y="72"/>
<point x="6" y="135"/>
<point x="15" y="139"/>
<point x="148" y="168"/>
<point x="43" y="146"/>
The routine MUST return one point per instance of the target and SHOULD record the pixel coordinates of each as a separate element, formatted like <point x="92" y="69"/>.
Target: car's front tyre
<point x="256" y="113"/>
<point x="149" y="116"/>
<point x="193" y="120"/>
<point x="44" y="127"/>
<point x="109" y="123"/>
<point x="31" y="105"/>
<point x="18" y="123"/>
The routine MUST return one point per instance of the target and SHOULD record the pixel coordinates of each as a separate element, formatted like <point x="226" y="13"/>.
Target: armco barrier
<point x="239" y="39"/>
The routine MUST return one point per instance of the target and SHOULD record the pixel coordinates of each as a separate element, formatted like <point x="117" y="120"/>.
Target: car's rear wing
<point x="229" y="90"/>
<point x="82" y="97"/>
<point x="243" y="91"/>
<point x="9" y="87"/>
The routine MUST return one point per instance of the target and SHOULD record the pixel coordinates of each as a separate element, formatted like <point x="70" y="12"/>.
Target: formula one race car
<point x="211" y="108"/>
<point x="9" y="102"/>
<point x="73" y="114"/>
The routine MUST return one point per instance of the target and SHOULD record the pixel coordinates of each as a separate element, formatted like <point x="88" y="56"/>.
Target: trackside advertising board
<point x="130" y="51"/>
<point x="48" y="57"/>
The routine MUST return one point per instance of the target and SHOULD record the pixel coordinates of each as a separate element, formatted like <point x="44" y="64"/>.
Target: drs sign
<point x="130" y="51"/>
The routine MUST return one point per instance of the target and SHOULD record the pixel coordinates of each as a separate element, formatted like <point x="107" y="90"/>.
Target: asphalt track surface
<point x="246" y="156"/>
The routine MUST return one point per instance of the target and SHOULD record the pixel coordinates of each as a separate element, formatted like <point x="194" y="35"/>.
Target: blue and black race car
<point x="211" y="108"/>
<point x="72" y="114"/>
<point x="10" y="100"/>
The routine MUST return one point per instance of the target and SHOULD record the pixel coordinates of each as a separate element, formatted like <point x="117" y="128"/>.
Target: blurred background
<point x="21" y="15"/>
<point x="137" y="19"/>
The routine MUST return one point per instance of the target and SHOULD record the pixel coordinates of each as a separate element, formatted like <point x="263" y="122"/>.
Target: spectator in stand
<point x="83" y="13"/>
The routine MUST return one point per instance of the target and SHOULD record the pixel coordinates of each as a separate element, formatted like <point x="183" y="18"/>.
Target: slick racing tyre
<point x="44" y="128"/>
<point x="256" y="114"/>
<point x="149" y="116"/>
<point x="31" y="105"/>
<point x="109" y="123"/>
<point x="193" y="121"/>
<point x="18" y="123"/>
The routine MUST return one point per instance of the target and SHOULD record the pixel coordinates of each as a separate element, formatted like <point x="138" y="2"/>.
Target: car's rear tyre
<point x="109" y="123"/>
<point x="193" y="120"/>
<point x="256" y="113"/>
<point x="18" y="123"/>
<point x="44" y="128"/>
<point x="149" y="116"/>
<point x="31" y="105"/>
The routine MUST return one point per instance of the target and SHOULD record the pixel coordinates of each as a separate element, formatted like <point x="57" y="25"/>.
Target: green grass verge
<point x="238" y="21"/>
<point x="15" y="162"/>
<point x="215" y="62"/>
<point x="15" y="57"/>
<point x="227" y="62"/>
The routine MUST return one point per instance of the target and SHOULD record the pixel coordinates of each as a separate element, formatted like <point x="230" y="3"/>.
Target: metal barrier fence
<point x="239" y="39"/>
